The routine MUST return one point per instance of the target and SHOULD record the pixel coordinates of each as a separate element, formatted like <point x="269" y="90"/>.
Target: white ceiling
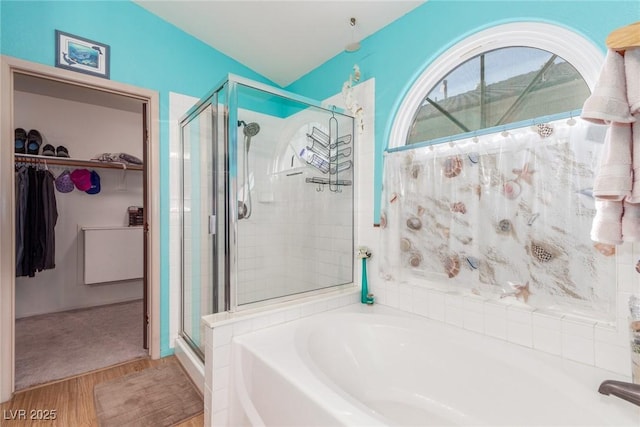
<point x="282" y="40"/>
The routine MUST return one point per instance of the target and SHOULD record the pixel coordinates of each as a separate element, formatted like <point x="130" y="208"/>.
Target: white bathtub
<point x="376" y="366"/>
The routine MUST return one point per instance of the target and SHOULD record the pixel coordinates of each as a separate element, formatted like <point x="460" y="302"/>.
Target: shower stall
<point x="267" y="201"/>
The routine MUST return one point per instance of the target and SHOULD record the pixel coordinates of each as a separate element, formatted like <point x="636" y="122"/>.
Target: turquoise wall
<point x="145" y="51"/>
<point x="397" y="54"/>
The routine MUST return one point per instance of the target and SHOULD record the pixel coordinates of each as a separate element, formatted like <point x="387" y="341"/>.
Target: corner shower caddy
<point x="329" y="154"/>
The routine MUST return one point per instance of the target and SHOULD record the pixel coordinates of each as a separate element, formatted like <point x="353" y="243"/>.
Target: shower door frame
<point x="209" y="100"/>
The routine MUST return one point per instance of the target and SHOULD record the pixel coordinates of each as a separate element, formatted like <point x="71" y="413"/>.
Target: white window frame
<point x="578" y="51"/>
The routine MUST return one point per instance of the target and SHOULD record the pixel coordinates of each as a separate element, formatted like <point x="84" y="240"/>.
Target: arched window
<point x="498" y="78"/>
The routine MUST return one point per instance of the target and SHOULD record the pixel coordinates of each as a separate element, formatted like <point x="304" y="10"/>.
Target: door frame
<point x="9" y="67"/>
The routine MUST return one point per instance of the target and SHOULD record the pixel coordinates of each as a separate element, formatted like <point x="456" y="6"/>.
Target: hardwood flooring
<point x="71" y="399"/>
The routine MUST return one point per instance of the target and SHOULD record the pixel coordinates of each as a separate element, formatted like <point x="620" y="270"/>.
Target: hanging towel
<point x="607" y="225"/>
<point x="635" y="147"/>
<point x="608" y="102"/>
<point x="615" y="99"/>
<point x="631" y="222"/>
<point x="632" y="72"/>
<point x="614" y="179"/>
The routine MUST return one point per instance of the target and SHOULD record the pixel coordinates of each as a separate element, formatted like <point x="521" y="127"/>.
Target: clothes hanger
<point x="624" y="37"/>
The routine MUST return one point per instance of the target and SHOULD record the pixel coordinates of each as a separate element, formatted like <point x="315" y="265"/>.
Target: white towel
<point x="635" y="190"/>
<point x="614" y="177"/>
<point x="608" y="102"/>
<point x="632" y="72"/>
<point x="631" y="222"/>
<point x="607" y="224"/>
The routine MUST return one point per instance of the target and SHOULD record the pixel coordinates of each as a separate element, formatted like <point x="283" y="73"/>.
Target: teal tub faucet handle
<point x="365" y="297"/>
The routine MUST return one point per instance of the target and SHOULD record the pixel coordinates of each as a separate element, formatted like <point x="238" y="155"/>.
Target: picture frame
<point x="82" y="55"/>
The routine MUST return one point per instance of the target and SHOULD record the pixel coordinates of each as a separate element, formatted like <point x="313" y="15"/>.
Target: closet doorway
<point x="96" y="303"/>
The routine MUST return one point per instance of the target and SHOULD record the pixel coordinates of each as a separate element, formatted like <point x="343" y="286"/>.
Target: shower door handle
<point x="212" y="224"/>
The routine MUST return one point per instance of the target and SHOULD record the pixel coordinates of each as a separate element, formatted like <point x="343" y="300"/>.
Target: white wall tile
<point x="221" y="356"/>
<point x="453" y="312"/>
<point x="495" y="319"/>
<point x="547" y="340"/>
<point x="613" y="358"/>
<point x="220" y="418"/>
<point x="221" y="378"/>
<point x="420" y="303"/>
<point x="520" y="333"/>
<point x="578" y="328"/>
<point x="473" y="321"/>
<point x="221" y="336"/>
<point x="546" y="321"/>
<point x="405" y="298"/>
<point x="436" y="306"/>
<point x="547" y="333"/>
<point x="220" y="399"/>
<point x="495" y="326"/>
<point x="520" y="314"/>
<point x="611" y="334"/>
<point x="578" y="342"/>
<point x="392" y="296"/>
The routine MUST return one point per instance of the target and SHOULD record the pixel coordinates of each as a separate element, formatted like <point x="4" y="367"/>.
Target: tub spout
<point x="627" y="391"/>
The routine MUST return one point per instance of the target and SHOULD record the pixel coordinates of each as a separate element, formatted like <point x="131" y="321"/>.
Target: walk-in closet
<point x="80" y="299"/>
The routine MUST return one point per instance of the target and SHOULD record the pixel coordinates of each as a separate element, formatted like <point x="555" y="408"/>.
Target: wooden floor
<point x="71" y="399"/>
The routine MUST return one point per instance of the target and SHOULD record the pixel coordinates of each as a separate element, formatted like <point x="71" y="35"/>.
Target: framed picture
<point x="82" y="55"/>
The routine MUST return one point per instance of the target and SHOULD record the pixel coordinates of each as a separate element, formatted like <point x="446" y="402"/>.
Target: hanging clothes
<point x="37" y="215"/>
<point x="50" y="219"/>
<point x="22" y="187"/>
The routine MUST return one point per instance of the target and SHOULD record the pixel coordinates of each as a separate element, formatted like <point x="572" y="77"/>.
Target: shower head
<point x="250" y="129"/>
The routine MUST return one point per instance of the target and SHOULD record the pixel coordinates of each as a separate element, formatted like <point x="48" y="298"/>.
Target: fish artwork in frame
<point x="82" y="55"/>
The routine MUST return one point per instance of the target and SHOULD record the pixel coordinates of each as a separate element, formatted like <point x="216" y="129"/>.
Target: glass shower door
<point x="199" y="275"/>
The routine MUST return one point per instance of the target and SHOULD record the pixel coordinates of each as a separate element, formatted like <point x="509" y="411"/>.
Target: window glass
<point x="497" y="88"/>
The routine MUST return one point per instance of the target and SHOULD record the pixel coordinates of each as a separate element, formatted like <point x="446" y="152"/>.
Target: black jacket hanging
<point x="40" y="219"/>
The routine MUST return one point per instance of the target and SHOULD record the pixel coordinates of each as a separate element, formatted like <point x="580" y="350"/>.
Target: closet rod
<point x="65" y="161"/>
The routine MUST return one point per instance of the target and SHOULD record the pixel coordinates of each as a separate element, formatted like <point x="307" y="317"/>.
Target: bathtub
<point x="375" y="366"/>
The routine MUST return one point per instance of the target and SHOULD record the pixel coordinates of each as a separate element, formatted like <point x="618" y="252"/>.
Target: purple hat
<point x="82" y="179"/>
<point x="95" y="183"/>
<point x="63" y="182"/>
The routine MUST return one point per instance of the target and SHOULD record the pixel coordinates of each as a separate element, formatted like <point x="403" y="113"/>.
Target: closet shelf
<point x="65" y="161"/>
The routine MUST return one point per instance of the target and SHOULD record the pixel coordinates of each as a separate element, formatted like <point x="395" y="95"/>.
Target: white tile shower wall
<point x="287" y="209"/>
<point x="218" y="345"/>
